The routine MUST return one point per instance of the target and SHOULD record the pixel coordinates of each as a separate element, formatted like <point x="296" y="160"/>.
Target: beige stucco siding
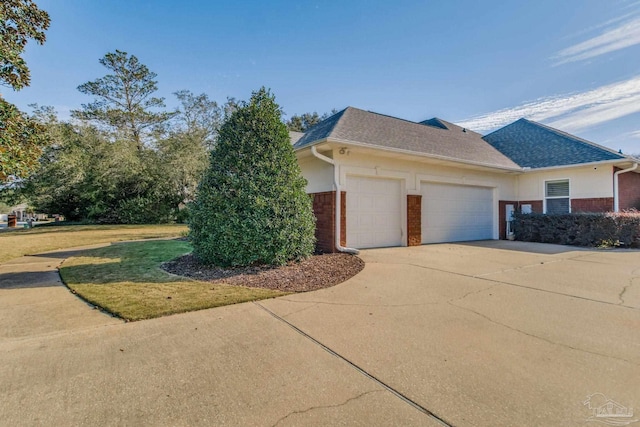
<point x="412" y="173"/>
<point x="319" y="174"/>
<point x="584" y="183"/>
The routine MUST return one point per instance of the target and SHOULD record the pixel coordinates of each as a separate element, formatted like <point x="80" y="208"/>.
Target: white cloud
<point x="570" y="112"/>
<point x="635" y="134"/>
<point x="624" y="34"/>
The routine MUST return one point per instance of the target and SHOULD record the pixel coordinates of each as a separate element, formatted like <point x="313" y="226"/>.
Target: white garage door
<point x="373" y="212"/>
<point x="456" y="213"/>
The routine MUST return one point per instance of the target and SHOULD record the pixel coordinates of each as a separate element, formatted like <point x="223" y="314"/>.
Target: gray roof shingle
<point x="434" y="137"/>
<point x="535" y="145"/>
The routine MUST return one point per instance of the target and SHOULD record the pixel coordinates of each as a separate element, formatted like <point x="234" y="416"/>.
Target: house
<point x="381" y="181"/>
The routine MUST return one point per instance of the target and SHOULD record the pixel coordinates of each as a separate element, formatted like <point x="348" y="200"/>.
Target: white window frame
<point x="568" y="180"/>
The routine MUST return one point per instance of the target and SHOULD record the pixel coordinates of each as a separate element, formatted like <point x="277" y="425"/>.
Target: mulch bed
<point x="317" y="272"/>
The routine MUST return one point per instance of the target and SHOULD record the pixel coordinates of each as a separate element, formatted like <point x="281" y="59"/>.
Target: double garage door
<point x="450" y="213"/>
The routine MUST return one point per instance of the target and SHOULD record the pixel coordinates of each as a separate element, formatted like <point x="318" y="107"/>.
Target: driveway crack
<point x="373" y="378"/>
<point x="547" y="340"/>
<point x="501" y="282"/>
<point x="312" y="408"/>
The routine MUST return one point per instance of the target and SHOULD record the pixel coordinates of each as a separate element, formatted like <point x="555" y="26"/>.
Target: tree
<point x="21" y="143"/>
<point x="20" y="20"/>
<point x="85" y="175"/>
<point x="183" y="152"/>
<point x="303" y="122"/>
<point x="124" y="100"/>
<point x="21" y="139"/>
<point x="251" y="206"/>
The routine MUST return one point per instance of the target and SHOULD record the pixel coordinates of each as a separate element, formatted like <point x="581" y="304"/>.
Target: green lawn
<point x="126" y="280"/>
<point x="22" y="242"/>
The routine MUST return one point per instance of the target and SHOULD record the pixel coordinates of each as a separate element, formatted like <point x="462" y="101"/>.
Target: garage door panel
<point x="454" y="213"/>
<point x="373" y="212"/>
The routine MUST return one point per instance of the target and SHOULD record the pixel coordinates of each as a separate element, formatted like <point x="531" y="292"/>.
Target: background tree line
<point x="121" y="158"/>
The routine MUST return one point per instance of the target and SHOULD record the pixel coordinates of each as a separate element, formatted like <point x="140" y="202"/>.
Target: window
<point x="557" y="196"/>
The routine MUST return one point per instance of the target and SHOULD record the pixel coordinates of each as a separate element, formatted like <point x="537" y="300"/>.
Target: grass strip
<point x="126" y="280"/>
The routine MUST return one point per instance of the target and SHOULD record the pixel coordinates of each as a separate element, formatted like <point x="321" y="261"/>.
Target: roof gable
<point x="534" y="145"/>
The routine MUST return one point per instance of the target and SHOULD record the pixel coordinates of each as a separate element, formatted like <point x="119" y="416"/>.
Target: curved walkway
<point x="34" y="301"/>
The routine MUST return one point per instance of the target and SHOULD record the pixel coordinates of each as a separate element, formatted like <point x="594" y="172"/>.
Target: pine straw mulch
<point x="316" y="272"/>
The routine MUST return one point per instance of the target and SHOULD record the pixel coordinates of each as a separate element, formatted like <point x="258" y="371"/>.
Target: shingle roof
<point x="435" y="137"/>
<point x="295" y="136"/>
<point x="535" y="145"/>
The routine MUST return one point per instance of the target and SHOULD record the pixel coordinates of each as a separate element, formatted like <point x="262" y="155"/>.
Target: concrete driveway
<point x="480" y="334"/>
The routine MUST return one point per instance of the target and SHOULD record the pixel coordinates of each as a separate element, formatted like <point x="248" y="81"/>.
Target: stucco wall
<point x="414" y="172"/>
<point x="584" y="183"/>
<point x="319" y="174"/>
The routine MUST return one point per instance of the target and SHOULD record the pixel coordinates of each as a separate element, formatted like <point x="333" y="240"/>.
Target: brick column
<point x="324" y="209"/>
<point x="414" y="219"/>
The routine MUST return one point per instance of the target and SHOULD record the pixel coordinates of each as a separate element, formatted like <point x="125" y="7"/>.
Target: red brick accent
<point x="537" y="206"/>
<point x="602" y="204"/>
<point x="629" y="190"/>
<point x="324" y="209"/>
<point x="414" y="220"/>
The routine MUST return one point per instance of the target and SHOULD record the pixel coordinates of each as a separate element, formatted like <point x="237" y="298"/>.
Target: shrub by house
<point x="251" y="206"/>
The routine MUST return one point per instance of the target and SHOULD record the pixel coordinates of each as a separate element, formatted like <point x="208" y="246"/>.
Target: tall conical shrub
<point x="251" y="206"/>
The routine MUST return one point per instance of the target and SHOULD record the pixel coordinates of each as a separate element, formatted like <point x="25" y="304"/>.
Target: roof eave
<point x="410" y="152"/>
<point x="578" y="165"/>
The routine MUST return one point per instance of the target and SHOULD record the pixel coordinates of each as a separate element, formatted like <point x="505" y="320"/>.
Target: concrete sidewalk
<point x="482" y="334"/>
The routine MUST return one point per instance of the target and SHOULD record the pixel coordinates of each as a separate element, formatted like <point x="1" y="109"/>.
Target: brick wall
<point x="414" y="220"/>
<point x="536" y="207"/>
<point x="629" y="190"/>
<point x="601" y="204"/>
<point x="324" y="210"/>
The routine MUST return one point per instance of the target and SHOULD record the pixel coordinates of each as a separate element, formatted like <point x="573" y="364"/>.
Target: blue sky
<point x="571" y="64"/>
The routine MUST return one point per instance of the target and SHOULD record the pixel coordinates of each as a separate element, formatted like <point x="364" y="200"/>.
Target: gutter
<point x="336" y="183"/>
<point x="409" y="152"/>
<point x="616" y="186"/>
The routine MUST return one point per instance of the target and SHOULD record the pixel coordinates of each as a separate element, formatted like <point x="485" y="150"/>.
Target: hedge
<point x="581" y="229"/>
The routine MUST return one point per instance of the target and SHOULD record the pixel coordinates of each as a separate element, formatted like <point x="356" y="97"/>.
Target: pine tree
<point x="251" y="206"/>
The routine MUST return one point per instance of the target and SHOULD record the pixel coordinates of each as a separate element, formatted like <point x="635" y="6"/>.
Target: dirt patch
<point x="317" y="272"/>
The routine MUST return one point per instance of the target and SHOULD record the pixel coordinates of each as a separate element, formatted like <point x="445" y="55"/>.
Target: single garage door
<point x="456" y="213"/>
<point x="373" y="212"/>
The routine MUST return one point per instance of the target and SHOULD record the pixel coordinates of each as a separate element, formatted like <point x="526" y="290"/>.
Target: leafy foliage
<point x="20" y="20"/>
<point x="21" y="143"/>
<point x="21" y="139"/>
<point x="124" y="101"/>
<point x="581" y="229"/>
<point x="251" y="206"/>
<point x="303" y="122"/>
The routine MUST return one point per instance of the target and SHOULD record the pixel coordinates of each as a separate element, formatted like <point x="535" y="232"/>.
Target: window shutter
<point x="558" y="188"/>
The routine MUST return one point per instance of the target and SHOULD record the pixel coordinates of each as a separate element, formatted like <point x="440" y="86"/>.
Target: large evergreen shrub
<point x="251" y="206"/>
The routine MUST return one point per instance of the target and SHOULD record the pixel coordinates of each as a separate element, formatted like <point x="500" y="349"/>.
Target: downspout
<point x="336" y="183"/>
<point x="616" y="196"/>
